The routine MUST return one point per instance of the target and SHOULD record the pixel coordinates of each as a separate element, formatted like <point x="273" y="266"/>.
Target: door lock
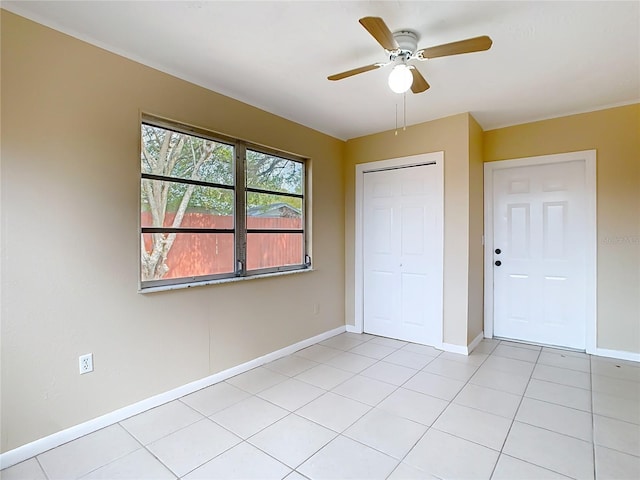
<point x="498" y="263"/>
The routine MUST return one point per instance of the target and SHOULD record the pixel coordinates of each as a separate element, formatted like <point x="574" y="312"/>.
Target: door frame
<point x="589" y="159"/>
<point x="434" y="158"/>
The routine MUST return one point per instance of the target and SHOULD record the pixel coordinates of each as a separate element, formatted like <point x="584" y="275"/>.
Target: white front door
<point x="539" y="253"/>
<point x="403" y="253"/>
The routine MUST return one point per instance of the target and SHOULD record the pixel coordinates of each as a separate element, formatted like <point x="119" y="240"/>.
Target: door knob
<point x="498" y="251"/>
<point x="498" y="263"/>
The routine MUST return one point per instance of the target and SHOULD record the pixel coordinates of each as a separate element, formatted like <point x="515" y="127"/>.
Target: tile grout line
<point x="295" y="469"/>
<point x="289" y="412"/>
<point x="338" y="434"/>
<point x="429" y="427"/>
<point x="205" y="462"/>
<point x="341" y="433"/>
<point x="246" y="440"/>
<point x="161" y="462"/>
<point x="204" y="417"/>
<point x="450" y="402"/>
<point x="383" y="399"/>
<point x="118" y="458"/>
<point x="41" y="467"/>
<point x="538" y="466"/>
<point x="397" y="387"/>
<point x="543" y="428"/>
<point x="513" y="420"/>
<point x="557" y="405"/>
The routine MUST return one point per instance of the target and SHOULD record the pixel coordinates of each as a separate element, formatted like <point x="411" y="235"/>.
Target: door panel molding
<point x="436" y="159"/>
<point x="589" y="159"/>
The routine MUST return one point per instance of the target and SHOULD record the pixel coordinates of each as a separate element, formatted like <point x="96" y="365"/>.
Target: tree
<point x="274" y="174"/>
<point x="173" y="155"/>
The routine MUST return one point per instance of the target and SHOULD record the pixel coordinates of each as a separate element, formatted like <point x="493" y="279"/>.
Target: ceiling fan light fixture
<point x="400" y="78"/>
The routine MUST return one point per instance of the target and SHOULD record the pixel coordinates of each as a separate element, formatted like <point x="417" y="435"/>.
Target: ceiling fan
<point x="402" y="46"/>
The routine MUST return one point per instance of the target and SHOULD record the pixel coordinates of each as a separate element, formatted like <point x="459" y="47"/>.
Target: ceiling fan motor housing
<point x="408" y="43"/>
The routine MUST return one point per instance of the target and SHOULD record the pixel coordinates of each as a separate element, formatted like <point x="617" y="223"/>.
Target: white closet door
<point x="403" y="254"/>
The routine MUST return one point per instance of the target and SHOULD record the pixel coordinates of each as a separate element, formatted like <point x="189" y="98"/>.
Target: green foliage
<point x="268" y="172"/>
<point x="273" y="173"/>
<point x="178" y="155"/>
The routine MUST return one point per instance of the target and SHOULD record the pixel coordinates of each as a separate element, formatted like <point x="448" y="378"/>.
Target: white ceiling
<point x="548" y="58"/>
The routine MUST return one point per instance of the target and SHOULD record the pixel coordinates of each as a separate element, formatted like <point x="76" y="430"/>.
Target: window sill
<point x="182" y="286"/>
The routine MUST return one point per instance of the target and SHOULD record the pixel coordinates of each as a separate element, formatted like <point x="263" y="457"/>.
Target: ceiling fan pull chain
<point x="404" y="110"/>
<point x="396" y="119"/>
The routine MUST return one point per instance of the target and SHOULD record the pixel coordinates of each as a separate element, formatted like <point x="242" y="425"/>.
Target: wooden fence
<point x="195" y="254"/>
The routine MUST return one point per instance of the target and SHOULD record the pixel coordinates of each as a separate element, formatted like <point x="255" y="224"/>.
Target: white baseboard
<point x="475" y="342"/>
<point x="450" y="347"/>
<point x="619" y="354"/>
<point x="599" y="352"/>
<point x="353" y="329"/>
<point x="54" y="440"/>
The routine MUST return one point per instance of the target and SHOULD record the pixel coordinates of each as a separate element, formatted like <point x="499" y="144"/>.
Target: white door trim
<point x="589" y="159"/>
<point x="437" y="160"/>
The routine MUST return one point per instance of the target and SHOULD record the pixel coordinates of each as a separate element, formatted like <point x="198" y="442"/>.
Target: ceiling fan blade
<point x="419" y="84"/>
<point x="355" y="71"/>
<point x="379" y="30"/>
<point x="476" y="44"/>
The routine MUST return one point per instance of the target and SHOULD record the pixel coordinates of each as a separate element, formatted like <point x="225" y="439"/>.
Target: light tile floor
<point x="366" y="407"/>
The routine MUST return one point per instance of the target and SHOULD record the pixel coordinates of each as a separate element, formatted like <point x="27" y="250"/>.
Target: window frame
<point x="239" y="191"/>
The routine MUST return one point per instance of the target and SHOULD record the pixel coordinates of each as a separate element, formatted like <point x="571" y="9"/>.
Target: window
<point x="214" y="207"/>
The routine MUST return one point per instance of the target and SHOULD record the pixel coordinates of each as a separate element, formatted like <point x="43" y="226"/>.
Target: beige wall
<point x="475" y="310"/>
<point x="70" y="193"/>
<point x="615" y="134"/>
<point x="450" y="135"/>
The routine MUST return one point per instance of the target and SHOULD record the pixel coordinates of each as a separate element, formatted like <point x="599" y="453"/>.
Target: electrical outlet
<point x="86" y="363"/>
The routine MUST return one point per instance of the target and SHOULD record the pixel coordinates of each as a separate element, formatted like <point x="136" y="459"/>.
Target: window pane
<point x="193" y="205"/>
<point x="265" y="250"/>
<point x="268" y="172"/>
<point x="178" y="255"/>
<point x="266" y="211"/>
<point x="173" y="154"/>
